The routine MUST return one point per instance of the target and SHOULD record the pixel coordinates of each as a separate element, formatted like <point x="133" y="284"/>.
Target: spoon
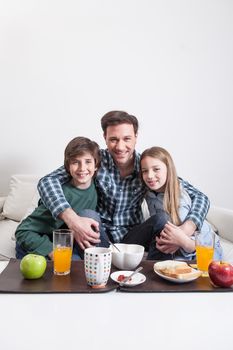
<point x="114" y="245"/>
<point x="126" y="279"/>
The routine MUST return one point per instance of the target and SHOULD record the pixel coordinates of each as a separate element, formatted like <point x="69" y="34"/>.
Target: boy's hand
<point x="50" y="255"/>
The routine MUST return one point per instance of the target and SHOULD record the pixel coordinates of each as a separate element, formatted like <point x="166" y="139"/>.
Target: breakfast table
<point x="126" y="318"/>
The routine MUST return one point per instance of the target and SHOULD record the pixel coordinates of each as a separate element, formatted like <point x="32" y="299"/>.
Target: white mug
<point x="97" y="266"/>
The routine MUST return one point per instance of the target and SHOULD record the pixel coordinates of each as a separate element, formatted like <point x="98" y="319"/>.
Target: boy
<point x="34" y="234"/>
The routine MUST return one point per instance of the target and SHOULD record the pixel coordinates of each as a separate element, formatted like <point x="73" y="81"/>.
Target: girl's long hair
<point x="172" y="186"/>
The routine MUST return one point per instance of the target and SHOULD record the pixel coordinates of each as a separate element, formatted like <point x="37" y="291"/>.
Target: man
<point x="120" y="192"/>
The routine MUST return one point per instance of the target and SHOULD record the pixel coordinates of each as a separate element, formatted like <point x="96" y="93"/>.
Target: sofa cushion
<point x="222" y="219"/>
<point x="2" y="201"/>
<point x="227" y="248"/>
<point x="7" y="231"/>
<point x="23" y="195"/>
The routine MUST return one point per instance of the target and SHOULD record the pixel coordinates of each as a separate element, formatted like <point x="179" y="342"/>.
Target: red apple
<point x="221" y="273"/>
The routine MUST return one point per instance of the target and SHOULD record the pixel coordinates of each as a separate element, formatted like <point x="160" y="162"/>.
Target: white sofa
<point x="23" y="198"/>
<point x="20" y="202"/>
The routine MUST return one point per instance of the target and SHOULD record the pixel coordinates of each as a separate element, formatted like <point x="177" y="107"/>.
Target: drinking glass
<point x="204" y="243"/>
<point x="62" y="251"/>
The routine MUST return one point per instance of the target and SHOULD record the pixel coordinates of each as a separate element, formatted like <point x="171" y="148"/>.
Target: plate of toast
<point x="176" y="271"/>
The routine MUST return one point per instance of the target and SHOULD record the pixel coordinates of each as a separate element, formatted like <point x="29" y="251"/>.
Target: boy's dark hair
<point x="78" y="147"/>
<point x="118" y="117"/>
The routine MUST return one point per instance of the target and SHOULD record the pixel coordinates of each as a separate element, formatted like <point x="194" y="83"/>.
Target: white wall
<point x="63" y="64"/>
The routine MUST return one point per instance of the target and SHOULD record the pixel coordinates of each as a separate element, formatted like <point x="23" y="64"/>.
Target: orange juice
<point x="62" y="260"/>
<point x="204" y="257"/>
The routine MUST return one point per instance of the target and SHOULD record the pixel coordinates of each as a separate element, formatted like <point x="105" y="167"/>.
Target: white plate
<point x="193" y="275"/>
<point x="138" y="278"/>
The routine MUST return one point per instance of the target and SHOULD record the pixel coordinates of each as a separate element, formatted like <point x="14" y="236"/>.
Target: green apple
<point x="33" y="266"/>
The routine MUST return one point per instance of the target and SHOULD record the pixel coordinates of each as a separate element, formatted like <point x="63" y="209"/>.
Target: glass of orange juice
<point x="62" y="251"/>
<point x="204" y="243"/>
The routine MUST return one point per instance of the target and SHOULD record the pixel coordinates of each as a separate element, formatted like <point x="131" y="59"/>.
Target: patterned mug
<point x="97" y="266"/>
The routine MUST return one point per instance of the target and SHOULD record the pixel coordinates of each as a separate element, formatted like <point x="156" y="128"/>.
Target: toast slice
<point x="175" y="272"/>
<point x="190" y="275"/>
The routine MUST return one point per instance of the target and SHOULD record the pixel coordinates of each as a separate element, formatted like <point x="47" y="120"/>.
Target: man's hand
<point x="86" y="230"/>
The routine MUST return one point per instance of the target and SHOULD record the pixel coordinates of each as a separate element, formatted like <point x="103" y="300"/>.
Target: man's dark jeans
<point x="145" y="233"/>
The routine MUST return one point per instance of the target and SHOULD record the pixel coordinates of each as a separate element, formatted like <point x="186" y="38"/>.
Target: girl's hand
<point x="188" y="227"/>
<point x="173" y="236"/>
<point x="166" y="248"/>
<point x="168" y="242"/>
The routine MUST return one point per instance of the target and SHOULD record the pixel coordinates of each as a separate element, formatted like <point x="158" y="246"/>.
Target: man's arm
<point x="86" y="230"/>
<point x="199" y="207"/>
<point x="51" y="193"/>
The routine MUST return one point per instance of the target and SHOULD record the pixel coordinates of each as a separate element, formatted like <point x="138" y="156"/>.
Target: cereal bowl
<point x="129" y="256"/>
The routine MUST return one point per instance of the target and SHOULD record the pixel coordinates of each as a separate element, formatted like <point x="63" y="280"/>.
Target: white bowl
<point x="129" y="257"/>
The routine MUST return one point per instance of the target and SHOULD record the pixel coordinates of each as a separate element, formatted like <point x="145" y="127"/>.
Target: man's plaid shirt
<point x="119" y="199"/>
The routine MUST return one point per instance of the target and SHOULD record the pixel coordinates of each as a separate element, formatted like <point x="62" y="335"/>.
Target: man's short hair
<point x="118" y="117"/>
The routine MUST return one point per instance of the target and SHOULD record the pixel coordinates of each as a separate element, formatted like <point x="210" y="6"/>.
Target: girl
<point x="166" y="192"/>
